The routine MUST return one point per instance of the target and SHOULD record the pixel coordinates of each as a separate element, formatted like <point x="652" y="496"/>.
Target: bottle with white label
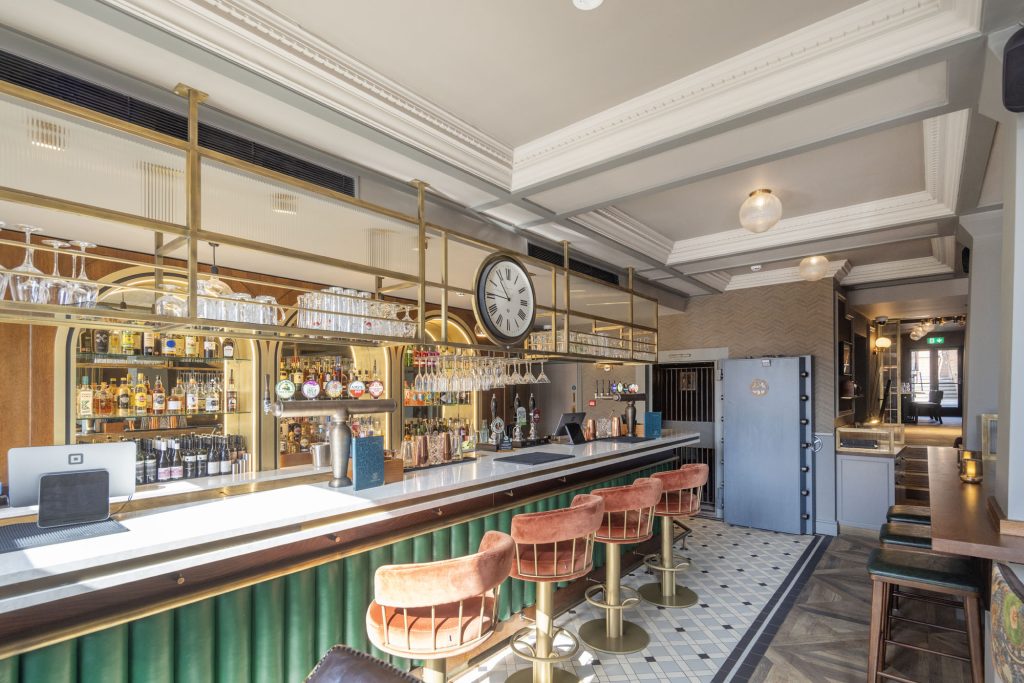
<point x="85" y="398"/>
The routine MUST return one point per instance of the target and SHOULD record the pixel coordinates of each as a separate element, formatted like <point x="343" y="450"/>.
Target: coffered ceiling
<point x="634" y="131"/>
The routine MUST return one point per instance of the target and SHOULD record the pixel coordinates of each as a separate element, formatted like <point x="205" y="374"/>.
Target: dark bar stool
<point x="909" y="514"/>
<point x="551" y="546"/>
<point x="955" y="577"/>
<point x="628" y="518"/>
<point x="342" y="664"/>
<point x="680" y="497"/>
<point x="905" y="536"/>
<point x="435" y="610"/>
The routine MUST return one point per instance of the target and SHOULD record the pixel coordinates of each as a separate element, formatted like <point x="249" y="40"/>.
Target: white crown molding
<point x="945" y="142"/>
<point x="895" y="270"/>
<point x="944" y="250"/>
<point x="716" y="279"/>
<point x="779" y="276"/>
<point x="253" y="35"/>
<point x="847" y="220"/>
<point x="866" y="37"/>
<point x="619" y="226"/>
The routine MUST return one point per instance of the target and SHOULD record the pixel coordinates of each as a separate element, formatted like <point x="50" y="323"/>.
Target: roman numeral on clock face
<point x="521" y="314"/>
<point x="493" y="308"/>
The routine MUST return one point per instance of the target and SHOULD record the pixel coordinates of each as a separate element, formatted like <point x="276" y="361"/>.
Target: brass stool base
<point x="633" y="639"/>
<point x="683" y="597"/>
<point x="557" y="676"/>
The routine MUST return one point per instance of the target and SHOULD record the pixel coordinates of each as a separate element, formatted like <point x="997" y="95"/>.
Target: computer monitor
<point x="27" y="465"/>
<point x="568" y="417"/>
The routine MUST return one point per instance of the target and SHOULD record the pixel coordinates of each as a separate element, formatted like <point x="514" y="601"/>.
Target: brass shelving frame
<point x="560" y="314"/>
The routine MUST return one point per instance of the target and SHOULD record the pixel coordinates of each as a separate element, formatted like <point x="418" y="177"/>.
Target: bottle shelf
<point x="92" y="437"/>
<point x="116" y="418"/>
<point x="108" y="360"/>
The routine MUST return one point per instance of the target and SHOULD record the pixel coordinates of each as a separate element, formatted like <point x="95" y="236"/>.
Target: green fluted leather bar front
<point x="275" y="631"/>
<point x="378" y="558"/>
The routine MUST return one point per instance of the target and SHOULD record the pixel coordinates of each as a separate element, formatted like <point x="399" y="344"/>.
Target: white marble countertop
<point x="175" y="539"/>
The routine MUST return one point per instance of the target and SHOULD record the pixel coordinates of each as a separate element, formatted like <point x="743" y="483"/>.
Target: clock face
<point x="504" y="300"/>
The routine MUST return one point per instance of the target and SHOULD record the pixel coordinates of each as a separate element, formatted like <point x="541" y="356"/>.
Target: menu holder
<point x="652" y="424"/>
<point x="367" y="462"/>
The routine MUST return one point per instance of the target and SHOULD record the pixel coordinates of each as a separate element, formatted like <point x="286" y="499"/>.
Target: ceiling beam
<point x="981" y="134"/>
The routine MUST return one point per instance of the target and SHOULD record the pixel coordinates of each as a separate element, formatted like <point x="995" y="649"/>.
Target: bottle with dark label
<point x="163" y="466"/>
<point x="140" y="464"/>
<point x="85" y="341"/>
<point x="210" y="347"/>
<point x="228" y="348"/>
<point x="151" y="463"/>
<point x="177" y="465"/>
<point x="190" y="459"/>
<point x="101" y="341"/>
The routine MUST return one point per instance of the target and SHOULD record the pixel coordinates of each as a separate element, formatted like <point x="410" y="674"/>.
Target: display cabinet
<point x="883" y="439"/>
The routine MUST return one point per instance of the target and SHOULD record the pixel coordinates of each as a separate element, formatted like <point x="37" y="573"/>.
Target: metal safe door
<point x="766" y="427"/>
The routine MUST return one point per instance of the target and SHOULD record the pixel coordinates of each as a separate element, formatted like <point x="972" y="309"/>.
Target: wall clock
<point x="504" y="304"/>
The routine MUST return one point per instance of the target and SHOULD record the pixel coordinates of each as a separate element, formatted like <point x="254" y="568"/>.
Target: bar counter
<point x="175" y="556"/>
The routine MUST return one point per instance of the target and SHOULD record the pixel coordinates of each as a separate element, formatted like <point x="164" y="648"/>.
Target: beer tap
<point x="339" y="433"/>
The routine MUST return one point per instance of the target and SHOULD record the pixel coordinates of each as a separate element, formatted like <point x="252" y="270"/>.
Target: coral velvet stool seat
<point x="435" y="610"/>
<point x="552" y="546"/>
<point x="628" y="519"/>
<point x="680" y="497"/>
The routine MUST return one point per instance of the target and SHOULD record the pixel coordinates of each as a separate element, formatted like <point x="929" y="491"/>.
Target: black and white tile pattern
<point x="743" y="577"/>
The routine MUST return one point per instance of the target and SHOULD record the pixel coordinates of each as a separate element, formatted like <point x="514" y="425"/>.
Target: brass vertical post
<point x="612" y="576"/>
<point x="543" y="672"/>
<point x="568" y="298"/>
<point x="444" y="287"/>
<point x="632" y="297"/>
<point x="193" y="203"/>
<point x="421" y="291"/>
<point x="554" y="311"/>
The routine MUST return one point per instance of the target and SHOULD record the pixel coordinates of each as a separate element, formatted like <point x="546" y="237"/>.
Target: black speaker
<point x="1013" y="73"/>
<point x="965" y="259"/>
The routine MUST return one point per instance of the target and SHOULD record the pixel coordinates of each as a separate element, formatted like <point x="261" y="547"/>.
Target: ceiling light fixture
<point x="883" y="343"/>
<point x="756" y="268"/>
<point x="587" y="5"/>
<point x="760" y="211"/>
<point x="813" y="268"/>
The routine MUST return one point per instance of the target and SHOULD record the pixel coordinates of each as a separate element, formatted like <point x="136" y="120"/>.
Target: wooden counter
<point x="960" y="519"/>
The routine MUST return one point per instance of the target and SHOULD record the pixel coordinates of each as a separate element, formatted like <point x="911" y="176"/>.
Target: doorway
<point x="937" y="369"/>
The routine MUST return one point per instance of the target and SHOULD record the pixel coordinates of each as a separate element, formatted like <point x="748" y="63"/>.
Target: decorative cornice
<point x="945" y="142"/>
<point x="716" y="279"/>
<point x="895" y="270"/>
<point x="253" y="35"/>
<point x="619" y="226"/>
<point x="865" y="217"/>
<point x="868" y="36"/>
<point x="944" y="250"/>
<point x="778" y="276"/>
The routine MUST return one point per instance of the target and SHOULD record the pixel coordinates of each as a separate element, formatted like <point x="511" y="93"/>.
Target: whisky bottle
<point x="176" y="399"/>
<point x="101" y="341"/>
<point x="103" y="401"/>
<point x="85" y="398"/>
<point x="159" y="398"/>
<point x="228" y="348"/>
<point x="128" y="342"/>
<point x="141" y="395"/>
<point x="170" y="345"/>
<point x="85" y="341"/>
<point x="191" y="346"/>
<point x="114" y="343"/>
<point x="231" y="394"/>
<point x="192" y="396"/>
<point x="124" y="398"/>
<point x="148" y="343"/>
<point x="210" y="347"/>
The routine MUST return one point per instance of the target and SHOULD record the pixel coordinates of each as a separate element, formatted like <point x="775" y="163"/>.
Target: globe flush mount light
<point x="760" y="211"/>
<point x="813" y="268"/>
<point x="587" y="5"/>
<point x="883" y="343"/>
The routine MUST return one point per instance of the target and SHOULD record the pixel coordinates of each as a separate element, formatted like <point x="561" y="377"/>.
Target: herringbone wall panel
<point x="781" y="320"/>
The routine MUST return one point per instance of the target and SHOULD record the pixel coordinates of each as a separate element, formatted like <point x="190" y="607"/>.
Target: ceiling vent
<point x="555" y="258"/>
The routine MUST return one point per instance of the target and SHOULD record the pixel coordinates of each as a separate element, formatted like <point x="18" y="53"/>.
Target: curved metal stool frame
<point x="667" y="593"/>
<point x="612" y="633"/>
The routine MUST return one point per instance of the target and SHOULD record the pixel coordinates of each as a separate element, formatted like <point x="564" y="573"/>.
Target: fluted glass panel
<point x="251" y="207"/>
<point x="57" y="155"/>
<point x="591" y="298"/>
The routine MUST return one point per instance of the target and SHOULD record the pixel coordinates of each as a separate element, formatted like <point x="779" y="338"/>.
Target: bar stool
<point x="909" y="514"/>
<point x="628" y="518"/>
<point x="435" y="610"/>
<point x="680" y="497"/>
<point x="551" y="546"/>
<point x="947" y="575"/>
<point x="905" y="536"/>
<point x="342" y="664"/>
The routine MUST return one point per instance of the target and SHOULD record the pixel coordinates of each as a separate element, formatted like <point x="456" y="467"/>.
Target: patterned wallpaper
<point x="781" y="320"/>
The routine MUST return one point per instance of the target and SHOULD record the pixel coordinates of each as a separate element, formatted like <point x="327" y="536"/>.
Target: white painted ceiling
<point x="633" y="131"/>
<point x="521" y="68"/>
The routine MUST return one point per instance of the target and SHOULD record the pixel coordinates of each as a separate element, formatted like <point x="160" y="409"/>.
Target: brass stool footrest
<point x="625" y="604"/>
<point x="518" y="640"/>
<point x="653" y="561"/>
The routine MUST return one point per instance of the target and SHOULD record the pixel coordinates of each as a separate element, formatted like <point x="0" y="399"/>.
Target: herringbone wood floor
<point x="825" y="636"/>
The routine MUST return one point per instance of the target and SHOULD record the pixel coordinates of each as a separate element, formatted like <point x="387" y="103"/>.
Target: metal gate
<point x="685" y="394"/>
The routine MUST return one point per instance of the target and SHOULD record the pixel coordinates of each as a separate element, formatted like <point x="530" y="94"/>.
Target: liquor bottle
<point x="176" y="399"/>
<point x="151" y="463"/>
<point x="128" y="342"/>
<point x="140" y="465"/>
<point x="231" y="394"/>
<point x="159" y="398"/>
<point x="191" y="346"/>
<point x="149" y="347"/>
<point x="163" y="463"/>
<point x="202" y="457"/>
<point x="189" y="459"/>
<point x="114" y="343"/>
<point x="228" y="348"/>
<point x="298" y="376"/>
<point x="124" y="398"/>
<point x="177" y="466"/>
<point x="86" y="342"/>
<point x="210" y="347"/>
<point x="141" y="395"/>
<point x="225" y="458"/>
<point x="85" y="407"/>
<point x="103" y="401"/>
<point x="212" y="399"/>
<point x="101" y="341"/>
<point x="192" y="396"/>
<point x="170" y="345"/>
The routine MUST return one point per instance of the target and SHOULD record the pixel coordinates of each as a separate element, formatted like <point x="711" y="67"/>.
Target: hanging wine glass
<point x="87" y="291"/>
<point x="542" y="378"/>
<point x="53" y="286"/>
<point x="25" y="285"/>
<point x="528" y="378"/>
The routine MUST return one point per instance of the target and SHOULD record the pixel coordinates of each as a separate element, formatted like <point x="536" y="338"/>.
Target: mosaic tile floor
<point x="743" y="577"/>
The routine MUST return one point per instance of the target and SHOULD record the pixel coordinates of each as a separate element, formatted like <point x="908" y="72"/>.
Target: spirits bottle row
<point x="190" y="457"/>
<point x="326" y="378"/>
<point x="424" y="427"/>
<point x="412" y="396"/>
<point x="154" y="344"/>
<point x="298" y="434"/>
<point x="195" y="394"/>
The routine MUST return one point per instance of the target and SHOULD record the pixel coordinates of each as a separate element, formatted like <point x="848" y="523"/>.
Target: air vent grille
<point x="579" y="266"/>
<point x="43" y="79"/>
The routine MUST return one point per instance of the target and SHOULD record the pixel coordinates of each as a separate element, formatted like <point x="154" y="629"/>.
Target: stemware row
<point x="28" y="284"/>
<point x="449" y="373"/>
